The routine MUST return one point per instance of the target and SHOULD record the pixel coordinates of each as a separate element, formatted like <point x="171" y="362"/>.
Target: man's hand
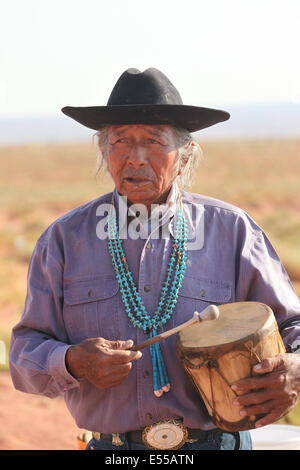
<point x="103" y="363"/>
<point x="273" y="391"/>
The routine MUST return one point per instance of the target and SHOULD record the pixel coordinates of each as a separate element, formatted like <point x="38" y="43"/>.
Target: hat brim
<point x="192" y="118"/>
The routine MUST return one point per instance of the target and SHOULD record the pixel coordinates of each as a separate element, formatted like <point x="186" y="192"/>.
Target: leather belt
<point x="136" y="436"/>
<point x="170" y="434"/>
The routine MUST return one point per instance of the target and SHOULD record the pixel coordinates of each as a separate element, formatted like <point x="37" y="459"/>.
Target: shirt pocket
<point x="197" y="293"/>
<point x="90" y="308"/>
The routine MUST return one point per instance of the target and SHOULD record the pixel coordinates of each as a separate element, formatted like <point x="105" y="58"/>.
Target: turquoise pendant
<point x="160" y="377"/>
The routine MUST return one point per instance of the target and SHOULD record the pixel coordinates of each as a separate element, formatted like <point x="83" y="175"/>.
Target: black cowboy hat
<point x="146" y="98"/>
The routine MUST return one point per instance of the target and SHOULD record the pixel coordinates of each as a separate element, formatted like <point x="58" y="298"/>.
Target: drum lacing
<point x="212" y="363"/>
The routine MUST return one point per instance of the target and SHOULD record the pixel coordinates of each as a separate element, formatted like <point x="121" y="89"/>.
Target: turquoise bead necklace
<point x="132" y="301"/>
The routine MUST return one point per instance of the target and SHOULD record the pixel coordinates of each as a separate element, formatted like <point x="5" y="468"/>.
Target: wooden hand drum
<point x="218" y="353"/>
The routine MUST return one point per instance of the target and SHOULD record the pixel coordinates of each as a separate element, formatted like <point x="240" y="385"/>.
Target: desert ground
<point x="31" y="422"/>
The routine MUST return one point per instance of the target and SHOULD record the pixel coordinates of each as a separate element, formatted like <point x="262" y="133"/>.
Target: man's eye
<point x="153" y="141"/>
<point x="118" y="141"/>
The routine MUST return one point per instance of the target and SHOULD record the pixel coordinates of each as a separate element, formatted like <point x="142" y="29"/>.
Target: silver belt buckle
<point x="169" y="435"/>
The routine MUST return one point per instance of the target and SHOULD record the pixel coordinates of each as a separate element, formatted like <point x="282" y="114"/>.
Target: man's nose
<point x="137" y="156"/>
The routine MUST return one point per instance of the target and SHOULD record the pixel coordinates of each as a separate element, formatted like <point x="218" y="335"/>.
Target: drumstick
<point x="209" y="313"/>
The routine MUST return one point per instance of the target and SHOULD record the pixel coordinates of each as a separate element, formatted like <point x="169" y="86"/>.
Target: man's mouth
<point x="136" y="180"/>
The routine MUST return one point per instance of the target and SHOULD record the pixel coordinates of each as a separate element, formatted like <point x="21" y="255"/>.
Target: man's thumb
<point x="267" y="365"/>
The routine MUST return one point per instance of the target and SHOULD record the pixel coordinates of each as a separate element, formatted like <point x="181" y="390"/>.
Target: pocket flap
<point x="90" y="290"/>
<point x="206" y="289"/>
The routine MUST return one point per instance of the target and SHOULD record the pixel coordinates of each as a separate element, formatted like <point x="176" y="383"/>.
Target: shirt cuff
<point x="59" y="371"/>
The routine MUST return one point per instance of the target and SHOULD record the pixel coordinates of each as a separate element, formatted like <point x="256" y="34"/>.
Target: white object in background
<point x="276" y="437"/>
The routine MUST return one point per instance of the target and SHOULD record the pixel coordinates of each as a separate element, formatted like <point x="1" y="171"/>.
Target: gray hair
<point x="189" y="156"/>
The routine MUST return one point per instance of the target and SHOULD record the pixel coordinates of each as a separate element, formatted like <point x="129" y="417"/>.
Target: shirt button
<point x="91" y="293"/>
<point x="148" y="245"/>
<point x="146" y="374"/>
<point x="148" y="415"/>
<point x="147" y="288"/>
<point x="202" y="293"/>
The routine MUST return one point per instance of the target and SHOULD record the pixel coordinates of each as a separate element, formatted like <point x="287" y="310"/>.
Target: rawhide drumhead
<point x="236" y="321"/>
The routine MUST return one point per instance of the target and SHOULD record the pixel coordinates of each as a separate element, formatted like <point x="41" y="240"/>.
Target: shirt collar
<point x="161" y="216"/>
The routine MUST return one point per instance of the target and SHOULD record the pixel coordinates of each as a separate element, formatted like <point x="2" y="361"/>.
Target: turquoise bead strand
<point x="132" y="301"/>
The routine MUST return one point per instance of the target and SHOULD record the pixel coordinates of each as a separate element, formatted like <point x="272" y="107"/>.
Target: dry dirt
<point x="30" y="422"/>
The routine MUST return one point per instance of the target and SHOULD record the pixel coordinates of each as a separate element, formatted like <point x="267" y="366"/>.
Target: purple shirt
<point x="72" y="294"/>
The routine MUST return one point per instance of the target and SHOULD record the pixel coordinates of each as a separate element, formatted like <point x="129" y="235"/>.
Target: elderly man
<point x="140" y="260"/>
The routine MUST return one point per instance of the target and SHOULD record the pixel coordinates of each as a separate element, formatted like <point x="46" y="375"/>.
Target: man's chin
<point x="140" y="192"/>
<point x="140" y="196"/>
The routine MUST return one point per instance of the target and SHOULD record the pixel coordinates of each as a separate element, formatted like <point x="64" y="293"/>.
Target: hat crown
<point x="149" y="87"/>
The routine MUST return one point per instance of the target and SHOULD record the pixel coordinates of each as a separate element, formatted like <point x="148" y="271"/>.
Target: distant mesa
<point x="247" y="121"/>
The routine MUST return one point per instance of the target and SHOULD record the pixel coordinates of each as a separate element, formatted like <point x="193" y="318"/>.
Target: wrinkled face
<point x="142" y="160"/>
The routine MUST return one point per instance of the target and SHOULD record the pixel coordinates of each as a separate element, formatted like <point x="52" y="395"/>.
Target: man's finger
<point x="256" y="398"/>
<point x="268" y="365"/>
<point x="252" y="383"/>
<point x="118" y="371"/>
<point x="266" y="375"/>
<point x="270" y="418"/>
<point x="120" y="356"/>
<point x="116" y="375"/>
<point x="119" y="344"/>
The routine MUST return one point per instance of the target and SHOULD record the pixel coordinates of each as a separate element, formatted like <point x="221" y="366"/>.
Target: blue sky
<point x="216" y="52"/>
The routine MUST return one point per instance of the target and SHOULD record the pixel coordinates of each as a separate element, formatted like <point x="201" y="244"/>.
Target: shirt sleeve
<point x="263" y="278"/>
<point x="39" y="341"/>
